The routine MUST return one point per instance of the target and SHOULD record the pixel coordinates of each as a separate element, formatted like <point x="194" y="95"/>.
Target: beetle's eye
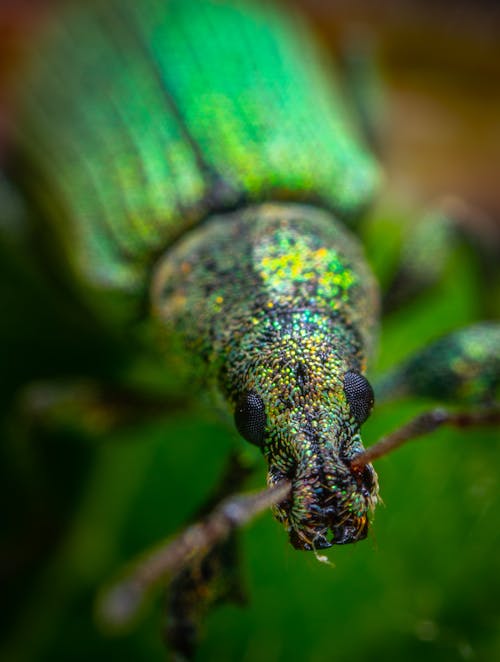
<point x="250" y="417"/>
<point x="359" y="395"/>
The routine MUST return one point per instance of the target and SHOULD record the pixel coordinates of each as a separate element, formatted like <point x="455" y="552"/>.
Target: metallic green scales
<point x="464" y="366"/>
<point x="275" y="304"/>
<point x="142" y="118"/>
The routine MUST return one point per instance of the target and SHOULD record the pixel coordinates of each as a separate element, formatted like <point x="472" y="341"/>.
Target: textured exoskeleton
<point x="197" y="155"/>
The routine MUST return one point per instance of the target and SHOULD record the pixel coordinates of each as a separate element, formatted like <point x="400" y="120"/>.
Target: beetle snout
<point x="345" y="534"/>
<point x="330" y="533"/>
<point x="329" y="504"/>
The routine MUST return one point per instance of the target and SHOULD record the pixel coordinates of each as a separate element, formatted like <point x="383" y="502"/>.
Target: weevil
<point x="197" y="169"/>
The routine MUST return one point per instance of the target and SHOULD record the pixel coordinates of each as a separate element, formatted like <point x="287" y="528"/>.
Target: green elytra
<point x="169" y="109"/>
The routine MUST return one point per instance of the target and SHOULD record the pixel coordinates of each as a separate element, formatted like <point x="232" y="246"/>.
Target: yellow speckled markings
<point x="289" y="261"/>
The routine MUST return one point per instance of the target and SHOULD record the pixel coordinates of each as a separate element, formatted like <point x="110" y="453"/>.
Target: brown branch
<point x="121" y="602"/>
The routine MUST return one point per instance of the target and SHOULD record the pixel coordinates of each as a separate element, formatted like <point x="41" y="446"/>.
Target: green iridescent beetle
<point x="198" y="155"/>
<point x="240" y="165"/>
<point x="145" y="147"/>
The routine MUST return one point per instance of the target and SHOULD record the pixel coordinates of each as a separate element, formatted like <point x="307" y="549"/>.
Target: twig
<point x="421" y="425"/>
<point x="121" y="602"/>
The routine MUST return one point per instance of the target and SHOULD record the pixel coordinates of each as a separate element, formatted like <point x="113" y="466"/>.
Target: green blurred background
<point x="80" y="500"/>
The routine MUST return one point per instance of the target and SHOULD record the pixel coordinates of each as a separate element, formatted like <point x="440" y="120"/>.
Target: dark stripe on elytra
<point x="215" y="184"/>
<point x="222" y="195"/>
<point x="120" y="39"/>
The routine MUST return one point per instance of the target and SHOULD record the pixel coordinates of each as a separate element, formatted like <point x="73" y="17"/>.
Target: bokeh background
<point x="80" y="500"/>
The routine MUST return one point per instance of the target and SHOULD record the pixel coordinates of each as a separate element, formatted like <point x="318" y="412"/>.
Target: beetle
<point x="166" y="172"/>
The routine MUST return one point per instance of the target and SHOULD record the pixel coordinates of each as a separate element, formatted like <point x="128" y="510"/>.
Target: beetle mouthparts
<point x="341" y="534"/>
<point x="320" y="513"/>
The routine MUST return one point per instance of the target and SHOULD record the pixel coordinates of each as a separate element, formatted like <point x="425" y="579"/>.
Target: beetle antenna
<point x="423" y="424"/>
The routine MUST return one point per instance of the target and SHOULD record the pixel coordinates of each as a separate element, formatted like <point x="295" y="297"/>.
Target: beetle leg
<point x="431" y="241"/>
<point x="460" y="367"/>
<point x="201" y="564"/>
<point x="212" y="577"/>
<point x="91" y="406"/>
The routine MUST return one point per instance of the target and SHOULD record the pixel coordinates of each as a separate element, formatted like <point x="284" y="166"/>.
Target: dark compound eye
<point x="250" y="417"/>
<point x="359" y="395"/>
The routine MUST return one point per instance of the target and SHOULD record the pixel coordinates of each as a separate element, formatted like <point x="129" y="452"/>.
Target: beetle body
<point x="138" y="124"/>
<point x="279" y="307"/>
<point x="141" y="122"/>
